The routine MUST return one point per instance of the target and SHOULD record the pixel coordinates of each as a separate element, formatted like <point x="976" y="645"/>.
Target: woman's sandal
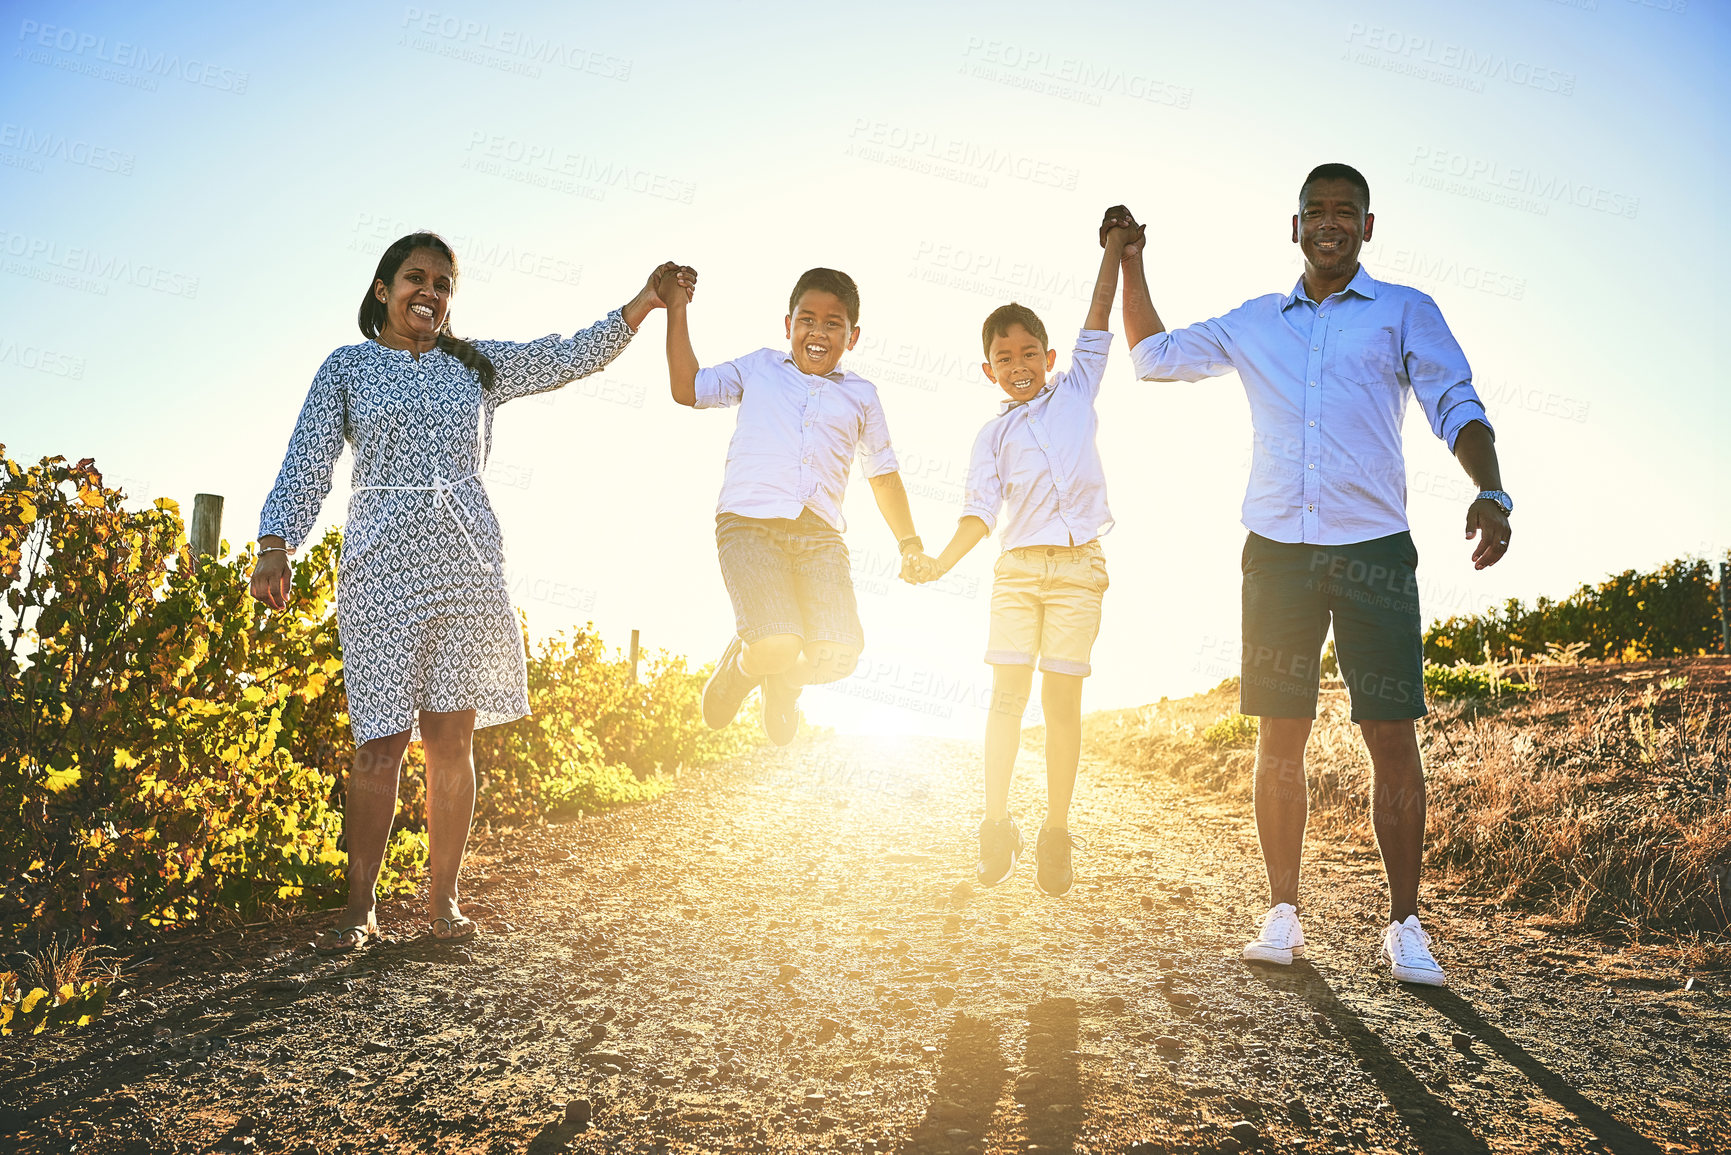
<point x="348" y="940"/>
<point x="457" y="929"/>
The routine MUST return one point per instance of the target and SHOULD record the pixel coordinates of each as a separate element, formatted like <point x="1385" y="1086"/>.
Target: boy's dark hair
<point x="998" y="325"/>
<point x="1343" y="172"/>
<point x="828" y="281"/>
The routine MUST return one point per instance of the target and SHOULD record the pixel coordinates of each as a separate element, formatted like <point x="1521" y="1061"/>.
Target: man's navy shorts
<point x="1369" y="590"/>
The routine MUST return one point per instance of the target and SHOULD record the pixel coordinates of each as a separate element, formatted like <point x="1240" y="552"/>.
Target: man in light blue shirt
<point x="1328" y="368"/>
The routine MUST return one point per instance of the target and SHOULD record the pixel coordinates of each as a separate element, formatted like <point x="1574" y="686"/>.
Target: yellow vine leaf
<point x="30" y="1001"/>
<point x="58" y="780"/>
<point x="123" y="759"/>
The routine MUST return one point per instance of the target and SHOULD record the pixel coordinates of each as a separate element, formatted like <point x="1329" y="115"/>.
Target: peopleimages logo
<point x="1428" y="270"/>
<point x="990" y="274"/>
<point x="1421" y="51"/>
<point x="88" y="52"/>
<point x="1067" y="77"/>
<point x="883" y="141"/>
<point x="1523" y="187"/>
<point x="50" y="257"/>
<point x="54" y="146"/>
<point x="452" y="35"/>
<point x="501" y="155"/>
<point x="26" y="356"/>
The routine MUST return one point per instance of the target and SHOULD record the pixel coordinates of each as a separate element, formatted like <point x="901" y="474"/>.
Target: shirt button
<point x="1313" y="384"/>
<point x="1311" y="508"/>
<point x="1312" y="465"/>
<point x="1314" y="348"/>
<point x="1313" y="425"/>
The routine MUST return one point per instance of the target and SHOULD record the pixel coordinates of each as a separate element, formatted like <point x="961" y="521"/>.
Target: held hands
<point x="1119" y="227"/>
<point x="1487" y="519"/>
<point x="271" y="578"/>
<point x="671" y="282"/>
<point x="918" y="568"/>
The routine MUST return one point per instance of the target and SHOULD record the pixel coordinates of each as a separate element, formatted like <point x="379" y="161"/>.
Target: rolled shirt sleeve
<point x="1188" y="354"/>
<point x="984" y="494"/>
<point x="876" y="456"/>
<point x="310" y="461"/>
<point x="720" y="386"/>
<point x="1442" y="381"/>
<point x="1088" y="361"/>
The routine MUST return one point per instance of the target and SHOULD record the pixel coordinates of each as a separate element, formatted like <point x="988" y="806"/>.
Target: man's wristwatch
<point x="1503" y="500"/>
<point x="908" y="543"/>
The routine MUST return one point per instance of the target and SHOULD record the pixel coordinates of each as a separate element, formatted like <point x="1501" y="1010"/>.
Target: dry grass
<point x="1601" y="798"/>
<point x="64" y="963"/>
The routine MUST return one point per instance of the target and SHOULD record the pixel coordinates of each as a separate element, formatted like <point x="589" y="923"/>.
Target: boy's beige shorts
<point x="1046" y="607"/>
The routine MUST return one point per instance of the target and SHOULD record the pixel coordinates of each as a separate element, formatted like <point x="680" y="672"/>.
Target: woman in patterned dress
<point x="431" y="645"/>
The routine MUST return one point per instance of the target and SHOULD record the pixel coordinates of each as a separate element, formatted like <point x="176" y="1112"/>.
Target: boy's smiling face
<point x="820" y="332"/>
<point x="1018" y="362"/>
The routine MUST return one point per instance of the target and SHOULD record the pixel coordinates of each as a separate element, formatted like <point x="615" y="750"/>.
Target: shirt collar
<point x="1007" y="404"/>
<point x="1362" y="283"/>
<point x="835" y="374"/>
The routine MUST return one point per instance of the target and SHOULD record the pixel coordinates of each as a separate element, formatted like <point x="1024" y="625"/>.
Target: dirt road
<point x="778" y="956"/>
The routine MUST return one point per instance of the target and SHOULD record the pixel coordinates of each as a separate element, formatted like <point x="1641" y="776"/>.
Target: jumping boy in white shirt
<point x="778" y="522"/>
<point x="1037" y="461"/>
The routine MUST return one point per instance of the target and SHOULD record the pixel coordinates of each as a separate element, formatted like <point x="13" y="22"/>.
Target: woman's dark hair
<point x="372" y="315"/>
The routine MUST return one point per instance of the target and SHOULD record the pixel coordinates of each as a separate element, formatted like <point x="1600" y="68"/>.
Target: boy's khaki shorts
<point x="1046" y="605"/>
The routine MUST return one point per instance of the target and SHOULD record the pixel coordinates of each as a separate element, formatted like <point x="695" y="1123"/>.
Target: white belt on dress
<point x="444" y="497"/>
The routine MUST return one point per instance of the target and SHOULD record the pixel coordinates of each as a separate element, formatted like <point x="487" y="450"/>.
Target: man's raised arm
<point x="1140" y="320"/>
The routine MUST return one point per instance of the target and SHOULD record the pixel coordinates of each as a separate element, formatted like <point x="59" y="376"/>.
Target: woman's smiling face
<point x="418" y="297"/>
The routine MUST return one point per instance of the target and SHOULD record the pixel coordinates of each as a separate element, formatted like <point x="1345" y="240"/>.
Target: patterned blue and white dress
<point x="422" y="609"/>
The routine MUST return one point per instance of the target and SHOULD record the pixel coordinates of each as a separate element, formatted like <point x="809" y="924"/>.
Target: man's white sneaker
<point x="1407" y="948"/>
<point x="1281" y="939"/>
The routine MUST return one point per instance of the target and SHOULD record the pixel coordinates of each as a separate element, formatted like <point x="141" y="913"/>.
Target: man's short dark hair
<point x="1343" y="172"/>
<point x="998" y="325"/>
<point x="828" y="281"/>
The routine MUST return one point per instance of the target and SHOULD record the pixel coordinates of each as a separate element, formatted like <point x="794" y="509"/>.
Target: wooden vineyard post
<point x="634" y="653"/>
<point x="206" y="534"/>
<point x="1724" y="608"/>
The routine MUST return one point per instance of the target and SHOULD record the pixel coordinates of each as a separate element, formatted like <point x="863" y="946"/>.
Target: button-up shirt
<point x="1328" y="386"/>
<point x="796" y="437"/>
<point x="1037" y="459"/>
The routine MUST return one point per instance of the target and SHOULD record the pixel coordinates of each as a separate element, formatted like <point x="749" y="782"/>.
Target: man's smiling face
<point x="820" y="331"/>
<point x="1331" y="226"/>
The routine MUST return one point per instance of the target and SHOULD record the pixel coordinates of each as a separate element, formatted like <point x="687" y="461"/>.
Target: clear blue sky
<point x="192" y="199"/>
